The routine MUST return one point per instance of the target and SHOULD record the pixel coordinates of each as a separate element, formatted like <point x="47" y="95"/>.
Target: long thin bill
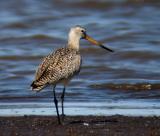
<point x="91" y="40"/>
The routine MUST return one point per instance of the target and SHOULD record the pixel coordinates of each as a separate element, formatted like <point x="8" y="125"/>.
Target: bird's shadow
<point x="93" y="122"/>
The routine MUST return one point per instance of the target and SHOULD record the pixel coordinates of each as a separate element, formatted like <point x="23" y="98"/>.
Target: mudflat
<point x="80" y="126"/>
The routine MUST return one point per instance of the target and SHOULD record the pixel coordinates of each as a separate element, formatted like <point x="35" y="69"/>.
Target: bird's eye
<point x="82" y="31"/>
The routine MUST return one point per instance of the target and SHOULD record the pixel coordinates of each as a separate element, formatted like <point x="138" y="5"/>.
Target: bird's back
<point x="61" y="64"/>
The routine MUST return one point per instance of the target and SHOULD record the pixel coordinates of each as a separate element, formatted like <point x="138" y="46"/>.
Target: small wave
<point x="16" y="25"/>
<point x="125" y="86"/>
<point x="37" y="37"/>
<point x="41" y="36"/>
<point x="20" y="57"/>
<point x="107" y="4"/>
<point x="93" y="4"/>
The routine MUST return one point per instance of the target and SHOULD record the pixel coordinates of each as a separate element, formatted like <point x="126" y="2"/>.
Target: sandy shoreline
<point x="80" y="126"/>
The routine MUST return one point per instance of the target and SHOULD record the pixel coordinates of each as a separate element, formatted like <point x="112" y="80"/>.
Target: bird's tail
<point x="36" y="87"/>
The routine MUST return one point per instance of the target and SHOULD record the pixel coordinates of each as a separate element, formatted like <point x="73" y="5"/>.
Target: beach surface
<point x="80" y="126"/>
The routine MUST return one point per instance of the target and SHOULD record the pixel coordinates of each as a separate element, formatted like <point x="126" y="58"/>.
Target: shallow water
<point x="29" y="30"/>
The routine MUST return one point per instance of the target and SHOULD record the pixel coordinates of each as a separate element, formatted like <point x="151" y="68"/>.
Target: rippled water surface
<point x="130" y="76"/>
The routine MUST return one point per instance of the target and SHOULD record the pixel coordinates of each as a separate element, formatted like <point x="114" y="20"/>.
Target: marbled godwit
<point x="61" y="65"/>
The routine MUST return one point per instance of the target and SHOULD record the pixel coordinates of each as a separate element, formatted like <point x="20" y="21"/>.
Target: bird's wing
<point x="59" y="65"/>
<point x="43" y="66"/>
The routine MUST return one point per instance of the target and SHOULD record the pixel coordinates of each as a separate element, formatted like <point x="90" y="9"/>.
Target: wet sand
<point x="80" y="126"/>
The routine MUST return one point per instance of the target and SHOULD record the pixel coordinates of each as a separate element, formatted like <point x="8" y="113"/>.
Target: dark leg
<point x="62" y="100"/>
<point x="56" y="105"/>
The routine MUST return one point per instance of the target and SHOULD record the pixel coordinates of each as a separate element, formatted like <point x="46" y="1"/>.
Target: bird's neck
<point x="73" y="43"/>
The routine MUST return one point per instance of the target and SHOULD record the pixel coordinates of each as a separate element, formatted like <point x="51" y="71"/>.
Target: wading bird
<point x="61" y="65"/>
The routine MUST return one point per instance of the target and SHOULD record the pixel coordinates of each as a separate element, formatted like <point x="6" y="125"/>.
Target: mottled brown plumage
<point x="57" y="67"/>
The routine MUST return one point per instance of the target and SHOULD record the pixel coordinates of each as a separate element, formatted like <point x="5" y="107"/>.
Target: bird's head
<point x="79" y="32"/>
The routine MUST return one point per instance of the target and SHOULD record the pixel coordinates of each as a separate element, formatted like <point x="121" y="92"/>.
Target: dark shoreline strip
<point x="80" y="126"/>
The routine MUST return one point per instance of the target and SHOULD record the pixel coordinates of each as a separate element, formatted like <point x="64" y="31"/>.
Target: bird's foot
<point x="63" y="116"/>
